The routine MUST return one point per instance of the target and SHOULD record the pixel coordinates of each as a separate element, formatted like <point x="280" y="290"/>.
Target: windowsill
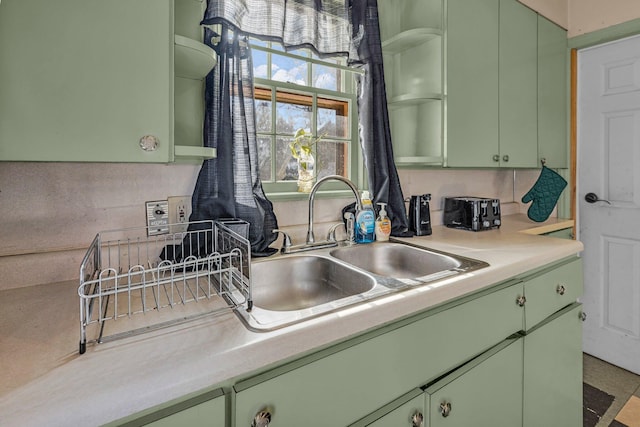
<point x="293" y="195"/>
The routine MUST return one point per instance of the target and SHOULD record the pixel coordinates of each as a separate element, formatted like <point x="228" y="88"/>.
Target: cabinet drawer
<point x="348" y="384"/>
<point x="551" y="291"/>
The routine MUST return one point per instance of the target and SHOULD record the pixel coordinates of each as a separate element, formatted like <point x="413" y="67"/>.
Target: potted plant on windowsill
<point x="302" y="150"/>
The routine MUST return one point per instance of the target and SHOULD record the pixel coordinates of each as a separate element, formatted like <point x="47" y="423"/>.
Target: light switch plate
<point x="179" y="212"/>
<point x="157" y="217"/>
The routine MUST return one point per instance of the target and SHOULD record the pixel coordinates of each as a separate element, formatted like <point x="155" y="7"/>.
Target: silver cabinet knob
<point x="521" y="300"/>
<point x="417" y="419"/>
<point x="149" y="143"/>
<point x="505" y="158"/>
<point x="582" y="315"/>
<point x="445" y="409"/>
<point x="496" y="158"/>
<point x="560" y="289"/>
<point x="262" y="419"/>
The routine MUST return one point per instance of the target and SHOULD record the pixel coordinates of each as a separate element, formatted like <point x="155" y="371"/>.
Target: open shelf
<point x="410" y="38"/>
<point x="419" y="161"/>
<point x="192" y="59"/>
<point x="191" y="151"/>
<point x="414" y="98"/>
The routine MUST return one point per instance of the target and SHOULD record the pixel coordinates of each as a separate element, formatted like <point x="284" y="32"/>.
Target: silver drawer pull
<point x="262" y="419"/>
<point x="416" y="419"/>
<point x="521" y="300"/>
<point x="582" y="316"/>
<point x="560" y="289"/>
<point x="445" y="409"/>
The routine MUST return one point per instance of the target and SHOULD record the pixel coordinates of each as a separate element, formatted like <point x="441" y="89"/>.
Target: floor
<point x="611" y="395"/>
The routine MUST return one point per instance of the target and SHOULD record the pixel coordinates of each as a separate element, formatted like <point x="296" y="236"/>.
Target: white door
<point x="609" y="168"/>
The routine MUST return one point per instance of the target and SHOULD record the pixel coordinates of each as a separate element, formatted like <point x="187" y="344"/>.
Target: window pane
<point x="331" y="158"/>
<point x="325" y="77"/>
<point x="291" y="117"/>
<point x="285" y="69"/>
<point x="263" y="115"/>
<point x="333" y="121"/>
<point x="264" y="158"/>
<point x="286" y="165"/>
<point x="260" y="69"/>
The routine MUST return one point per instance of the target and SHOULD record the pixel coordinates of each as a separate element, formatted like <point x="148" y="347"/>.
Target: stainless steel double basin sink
<point x="293" y="288"/>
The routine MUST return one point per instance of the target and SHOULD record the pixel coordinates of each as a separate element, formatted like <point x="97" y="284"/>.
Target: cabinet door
<point x="518" y="85"/>
<point x="552" y="94"/>
<point x="485" y="392"/>
<point x="84" y="80"/>
<point x="553" y="371"/>
<point x="471" y="83"/>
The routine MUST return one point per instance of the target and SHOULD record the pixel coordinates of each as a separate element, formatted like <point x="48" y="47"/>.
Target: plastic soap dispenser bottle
<point x="365" y="220"/>
<point x="383" y="224"/>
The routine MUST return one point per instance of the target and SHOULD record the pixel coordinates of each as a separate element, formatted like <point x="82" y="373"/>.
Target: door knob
<point x="593" y="197"/>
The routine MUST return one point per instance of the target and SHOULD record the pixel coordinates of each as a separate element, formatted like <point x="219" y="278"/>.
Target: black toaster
<point x="472" y="213"/>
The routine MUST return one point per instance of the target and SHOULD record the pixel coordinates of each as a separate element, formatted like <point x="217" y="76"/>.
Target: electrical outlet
<point x="157" y="217"/>
<point x="179" y="212"/>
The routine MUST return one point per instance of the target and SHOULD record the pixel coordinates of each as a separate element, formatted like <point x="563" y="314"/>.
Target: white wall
<point x="585" y="16"/>
<point x="554" y="10"/>
<point x="590" y="15"/>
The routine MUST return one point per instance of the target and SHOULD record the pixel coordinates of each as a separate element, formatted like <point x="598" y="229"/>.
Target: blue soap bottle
<point x="365" y="220"/>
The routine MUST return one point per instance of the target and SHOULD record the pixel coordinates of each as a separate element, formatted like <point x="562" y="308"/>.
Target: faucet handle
<point x="331" y="235"/>
<point x="286" y="242"/>
<point x="350" y="227"/>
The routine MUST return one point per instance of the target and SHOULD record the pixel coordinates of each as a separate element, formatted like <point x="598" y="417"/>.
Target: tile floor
<point x="620" y="384"/>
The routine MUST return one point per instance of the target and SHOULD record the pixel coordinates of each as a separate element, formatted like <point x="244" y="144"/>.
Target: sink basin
<point x="397" y="260"/>
<point x="295" y="288"/>
<point x="301" y="282"/>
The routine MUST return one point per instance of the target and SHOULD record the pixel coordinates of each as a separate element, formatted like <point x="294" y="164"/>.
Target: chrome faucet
<point x="312" y="197"/>
<point x="311" y="243"/>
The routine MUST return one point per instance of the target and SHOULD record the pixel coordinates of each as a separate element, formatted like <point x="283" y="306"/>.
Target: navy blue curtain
<point x="375" y="132"/>
<point x="229" y="186"/>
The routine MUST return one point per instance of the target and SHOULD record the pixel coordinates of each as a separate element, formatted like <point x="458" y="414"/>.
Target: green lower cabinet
<point x="342" y="384"/>
<point x="485" y="392"/>
<point x="460" y="398"/>
<point x="553" y="371"/>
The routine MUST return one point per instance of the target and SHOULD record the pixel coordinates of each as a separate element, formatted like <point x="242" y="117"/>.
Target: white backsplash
<point x="51" y="211"/>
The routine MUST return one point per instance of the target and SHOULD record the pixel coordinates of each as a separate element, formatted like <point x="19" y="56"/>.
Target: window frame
<point x="287" y="190"/>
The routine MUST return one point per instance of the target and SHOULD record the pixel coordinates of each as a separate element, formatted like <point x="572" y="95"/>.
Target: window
<point x="296" y="90"/>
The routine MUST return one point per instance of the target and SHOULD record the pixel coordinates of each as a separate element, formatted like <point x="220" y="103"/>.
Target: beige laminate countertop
<point x="45" y="382"/>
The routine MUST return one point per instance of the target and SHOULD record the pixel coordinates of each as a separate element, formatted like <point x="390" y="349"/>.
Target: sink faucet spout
<point x="312" y="196"/>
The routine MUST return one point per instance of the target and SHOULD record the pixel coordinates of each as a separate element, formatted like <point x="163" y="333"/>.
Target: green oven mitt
<point x="545" y="194"/>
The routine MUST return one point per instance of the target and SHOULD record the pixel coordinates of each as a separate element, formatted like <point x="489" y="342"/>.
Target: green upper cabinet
<point x="85" y="80"/>
<point x="501" y="97"/>
<point x="471" y="83"/>
<point x="518" y="90"/>
<point x="552" y="94"/>
<point x="491" y="84"/>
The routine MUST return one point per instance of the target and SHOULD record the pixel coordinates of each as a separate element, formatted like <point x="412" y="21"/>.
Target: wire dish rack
<point x="125" y="274"/>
